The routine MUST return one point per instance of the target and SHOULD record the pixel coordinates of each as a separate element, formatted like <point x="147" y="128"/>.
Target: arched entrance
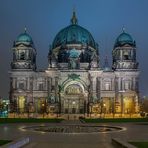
<point x="74" y="99"/>
<point x="129" y="105"/>
<point x="21" y="104"/>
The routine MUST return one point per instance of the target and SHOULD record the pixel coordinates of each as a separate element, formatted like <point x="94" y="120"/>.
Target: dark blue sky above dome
<point x="43" y="19"/>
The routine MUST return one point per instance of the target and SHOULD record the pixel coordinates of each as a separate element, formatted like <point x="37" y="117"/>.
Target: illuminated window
<point x="21" y="103"/>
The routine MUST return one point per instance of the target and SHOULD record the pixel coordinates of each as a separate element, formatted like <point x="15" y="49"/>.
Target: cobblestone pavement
<point x="133" y="132"/>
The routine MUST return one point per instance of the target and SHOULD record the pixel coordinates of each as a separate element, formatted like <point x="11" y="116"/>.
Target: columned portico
<point x="74" y="98"/>
<point x="73" y="105"/>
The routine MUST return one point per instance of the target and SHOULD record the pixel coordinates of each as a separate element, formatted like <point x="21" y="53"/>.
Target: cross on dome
<point x="74" y="19"/>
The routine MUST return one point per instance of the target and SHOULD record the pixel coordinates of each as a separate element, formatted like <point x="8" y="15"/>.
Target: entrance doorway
<point x="73" y="105"/>
<point x="73" y="99"/>
<point x="73" y="110"/>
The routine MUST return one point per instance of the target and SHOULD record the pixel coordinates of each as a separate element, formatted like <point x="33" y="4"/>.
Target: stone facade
<point x="74" y="82"/>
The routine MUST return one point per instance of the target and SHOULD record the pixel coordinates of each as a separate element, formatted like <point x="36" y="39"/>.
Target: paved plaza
<point x="133" y="132"/>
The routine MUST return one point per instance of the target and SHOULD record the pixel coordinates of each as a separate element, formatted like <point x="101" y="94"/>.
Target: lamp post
<point x="104" y="109"/>
<point x="7" y="108"/>
<point x="60" y="88"/>
<point x="27" y="108"/>
<point x="36" y="107"/>
<point x="43" y="108"/>
<point x="90" y="105"/>
<point x="15" y="107"/>
<point x="57" y="109"/>
<point x="122" y="101"/>
<point x="101" y="105"/>
<point x="68" y="109"/>
<point x="1" y="107"/>
<point x="74" y="109"/>
<point x="86" y="108"/>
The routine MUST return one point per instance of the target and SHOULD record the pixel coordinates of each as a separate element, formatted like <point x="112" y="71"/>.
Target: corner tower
<point x="24" y="53"/>
<point x="126" y="71"/>
<point x="23" y="69"/>
<point x="124" y="53"/>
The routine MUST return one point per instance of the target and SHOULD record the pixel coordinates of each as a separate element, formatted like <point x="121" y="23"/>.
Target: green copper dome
<point x="24" y="37"/>
<point x="73" y="34"/>
<point x="124" y="38"/>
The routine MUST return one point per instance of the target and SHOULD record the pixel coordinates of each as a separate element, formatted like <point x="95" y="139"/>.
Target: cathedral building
<point x="74" y="82"/>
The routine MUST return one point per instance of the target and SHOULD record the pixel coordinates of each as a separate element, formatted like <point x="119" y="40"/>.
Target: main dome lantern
<point x="74" y="34"/>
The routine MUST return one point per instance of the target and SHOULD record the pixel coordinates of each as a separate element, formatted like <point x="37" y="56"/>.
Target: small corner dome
<point x="124" y="38"/>
<point x="24" y="38"/>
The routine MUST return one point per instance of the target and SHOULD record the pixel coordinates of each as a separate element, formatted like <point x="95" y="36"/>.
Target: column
<point x="91" y="90"/>
<point x="56" y="90"/>
<point x="28" y="83"/>
<point x="98" y="88"/>
<point x="94" y="88"/>
<point x="49" y="84"/>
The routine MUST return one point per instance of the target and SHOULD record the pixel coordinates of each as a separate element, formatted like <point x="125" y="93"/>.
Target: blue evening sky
<point x="45" y="18"/>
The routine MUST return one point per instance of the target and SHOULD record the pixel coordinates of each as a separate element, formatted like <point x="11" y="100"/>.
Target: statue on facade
<point x="74" y="59"/>
<point x="72" y="63"/>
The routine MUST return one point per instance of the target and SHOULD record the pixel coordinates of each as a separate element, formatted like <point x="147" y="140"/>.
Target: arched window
<point x="21" y="103"/>
<point x="126" y="55"/>
<point x="40" y="86"/>
<point x="127" y="85"/>
<point x="21" y="85"/>
<point x="107" y="86"/>
<point x="22" y="56"/>
<point x="14" y="56"/>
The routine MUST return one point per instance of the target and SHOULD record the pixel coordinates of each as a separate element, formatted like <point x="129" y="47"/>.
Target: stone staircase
<point x="71" y="122"/>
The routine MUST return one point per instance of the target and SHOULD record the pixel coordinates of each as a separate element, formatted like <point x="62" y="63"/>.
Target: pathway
<point x="134" y="132"/>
